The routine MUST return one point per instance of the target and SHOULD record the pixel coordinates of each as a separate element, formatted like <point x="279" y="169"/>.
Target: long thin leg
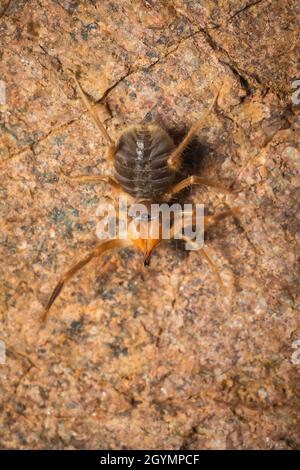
<point x="98" y="250"/>
<point x="192" y="180"/>
<point x="209" y="220"/>
<point x="174" y="160"/>
<point x="203" y="252"/>
<point x="93" y="114"/>
<point x="94" y="179"/>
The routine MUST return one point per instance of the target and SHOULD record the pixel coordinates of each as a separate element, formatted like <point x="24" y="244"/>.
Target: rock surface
<point x="154" y="358"/>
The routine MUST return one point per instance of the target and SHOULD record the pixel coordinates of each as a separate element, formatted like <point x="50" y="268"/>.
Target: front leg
<point x="209" y="220"/>
<point x="97" y="251"/>
<point x="208" y="259"/>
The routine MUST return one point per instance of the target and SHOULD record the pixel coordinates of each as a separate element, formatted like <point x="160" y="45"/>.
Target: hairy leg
<point x="97" y="251"/>
<point x="92" y="112"/>
<point x="212" y="265"/>
<point x="86" y="179"/>
<point x="174" y="161"/>
<point x="111" y="143"/>
<point x="193" y="180"/>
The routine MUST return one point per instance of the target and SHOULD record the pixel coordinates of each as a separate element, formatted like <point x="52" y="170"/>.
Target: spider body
<point x="141" y="161"/>
<point x="146" y="162"/>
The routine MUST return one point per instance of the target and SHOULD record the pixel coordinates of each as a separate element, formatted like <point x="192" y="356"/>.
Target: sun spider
<point x="146" y="166"/>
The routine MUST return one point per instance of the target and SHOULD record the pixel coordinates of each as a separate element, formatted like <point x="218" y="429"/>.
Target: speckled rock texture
<point x="157" y="358"/>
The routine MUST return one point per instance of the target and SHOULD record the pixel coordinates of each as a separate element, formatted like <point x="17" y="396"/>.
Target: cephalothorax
<point x="146" y="167"/>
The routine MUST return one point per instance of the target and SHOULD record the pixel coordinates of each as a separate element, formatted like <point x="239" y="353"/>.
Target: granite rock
<point x="157" y="358"/>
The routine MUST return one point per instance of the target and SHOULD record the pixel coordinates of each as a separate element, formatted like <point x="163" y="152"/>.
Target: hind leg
<point x="174" y="161"/>
<point x="92" y="112"/>
<point x="110" y="142"/>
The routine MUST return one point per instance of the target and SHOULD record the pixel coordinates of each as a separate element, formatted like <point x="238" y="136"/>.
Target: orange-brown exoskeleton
<point x="146" y="167"/>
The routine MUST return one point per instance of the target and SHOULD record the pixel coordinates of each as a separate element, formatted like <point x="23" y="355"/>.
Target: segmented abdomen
<point x="141" y="161"/>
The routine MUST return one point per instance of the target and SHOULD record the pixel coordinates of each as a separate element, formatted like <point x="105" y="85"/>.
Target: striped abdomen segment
<point x="141" y="161"/>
